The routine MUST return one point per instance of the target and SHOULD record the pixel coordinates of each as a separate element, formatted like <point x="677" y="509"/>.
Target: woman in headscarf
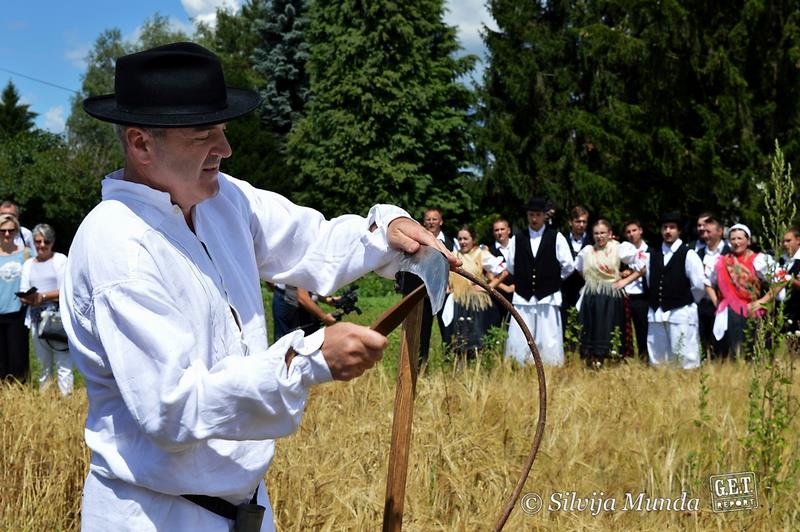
<point x="602" y="305"/>
<point x="736" y="288"/>
<point x="472" y="313"/>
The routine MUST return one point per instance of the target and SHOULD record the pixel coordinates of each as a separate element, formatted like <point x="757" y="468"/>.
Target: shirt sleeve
<point x="628" y="254"/>
<point x="492" y="264"/>
<point x="564" y="256"/>
<point x="178" y="398"/>
<point x="580" y="259"/>
<point x="318" y="254"/>
<point x="25" y="276"/>
<point x="696" y="274"/>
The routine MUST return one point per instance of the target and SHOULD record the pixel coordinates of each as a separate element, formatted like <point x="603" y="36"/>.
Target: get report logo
<point x="732" y="492"/>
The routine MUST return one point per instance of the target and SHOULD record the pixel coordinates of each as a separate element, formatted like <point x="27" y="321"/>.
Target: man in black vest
<point x="504" y="246"/>
<point x="791" y="305"/>
<point x="676" y="281"/>
<point x="542" y="261"/>
<point x="713" y="249"/>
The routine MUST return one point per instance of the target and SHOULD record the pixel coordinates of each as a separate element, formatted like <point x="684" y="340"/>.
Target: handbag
<point x="50" y="326"/>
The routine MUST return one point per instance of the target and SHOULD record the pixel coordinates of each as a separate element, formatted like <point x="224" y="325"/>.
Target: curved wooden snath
<point x="404" y="407"/>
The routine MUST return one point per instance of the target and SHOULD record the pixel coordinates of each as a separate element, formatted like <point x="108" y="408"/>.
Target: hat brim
<point x="239" y="103"/>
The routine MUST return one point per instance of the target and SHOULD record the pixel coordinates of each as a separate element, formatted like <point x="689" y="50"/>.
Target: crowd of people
<point x="31" y="275"/>
<point x="666" y="303"/>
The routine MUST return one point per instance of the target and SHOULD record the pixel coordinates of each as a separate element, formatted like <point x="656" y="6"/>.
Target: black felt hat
<point x="175" y="85"/>
<point x="670" y="218"/>
<point x="536" y="204"/>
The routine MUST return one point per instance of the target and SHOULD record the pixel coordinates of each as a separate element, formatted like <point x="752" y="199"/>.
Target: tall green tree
<point x="15" y="118"/>
<point x="257" y="151"/>
<point x="387" y="120"/>
<point x="634" y="107"/>
<point x="280" y="57"/>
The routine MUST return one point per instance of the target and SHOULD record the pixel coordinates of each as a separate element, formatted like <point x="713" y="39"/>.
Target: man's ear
<point x="141" y="145"/>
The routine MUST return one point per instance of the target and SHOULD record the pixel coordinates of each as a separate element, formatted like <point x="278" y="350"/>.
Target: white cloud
<point x="206" y="10"/>
<point x="469" y="16"/>
<point x="54" y="119"/>
<point x="76" y="54"/>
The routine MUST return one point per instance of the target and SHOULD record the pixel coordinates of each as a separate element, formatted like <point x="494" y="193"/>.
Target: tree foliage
<point x="15" y="117"/>
<point x="280" y="57"/>
<point x="386" y="121"/>
<point x="634" y="107"/>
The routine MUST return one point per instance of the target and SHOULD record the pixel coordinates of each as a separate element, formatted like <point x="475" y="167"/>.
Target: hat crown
<point x="176" y="78"/>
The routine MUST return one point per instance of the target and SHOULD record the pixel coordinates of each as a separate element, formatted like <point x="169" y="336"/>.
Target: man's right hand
<point x="351" y="349"/>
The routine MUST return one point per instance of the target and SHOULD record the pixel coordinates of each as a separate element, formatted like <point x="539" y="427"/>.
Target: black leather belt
<point x="221" y="507"/>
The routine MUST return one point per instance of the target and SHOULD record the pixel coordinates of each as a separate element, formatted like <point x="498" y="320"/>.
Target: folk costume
<point x="507" y="254"/>
<point x="676" y="280"/>
<point x="542" y="260"/>
<point x="638" y="297"/>
<point x="472" y="313"/>
<point x="602" y="307"/>
<point x="738" y="280"/>
<point x="706" y="312"/>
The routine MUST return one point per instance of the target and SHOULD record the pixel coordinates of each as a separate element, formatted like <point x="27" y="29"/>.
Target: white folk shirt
<point x="564" y="258"/>
<point x="636" y="287"/>
<point x="693" y="268"/>
<point x="167" y="326"/>
<point x="507" y="252"/>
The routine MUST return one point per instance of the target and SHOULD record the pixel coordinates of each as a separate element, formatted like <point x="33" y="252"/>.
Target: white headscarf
<point x="740" y="227"/>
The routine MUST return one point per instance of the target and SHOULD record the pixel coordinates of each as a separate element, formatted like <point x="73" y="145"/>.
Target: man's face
<point x="578" y="225"/>
<point x="791" y="243"/>
<point x="433" y="222"/>
<point x="501" y="232"/>
<point x="634" y="234"/>
<point x="9" y="210"/>
<point x="536" y="219"/>
<point x="713" y="233"/>
<point x="186" y="163"/>
<point x="670" y="232"/>
<point x="702" y="230"/>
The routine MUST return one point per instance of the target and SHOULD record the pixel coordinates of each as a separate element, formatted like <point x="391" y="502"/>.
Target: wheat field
<point x="626" y="429"/>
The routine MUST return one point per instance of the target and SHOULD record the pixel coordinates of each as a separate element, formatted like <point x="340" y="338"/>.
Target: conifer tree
<point x="15" y="118"/>
<point x="387" y="120"/>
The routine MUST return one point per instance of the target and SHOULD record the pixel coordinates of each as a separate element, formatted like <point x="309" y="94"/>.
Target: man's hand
<point x="351" y="349"/>
<point x="406" y="235"/>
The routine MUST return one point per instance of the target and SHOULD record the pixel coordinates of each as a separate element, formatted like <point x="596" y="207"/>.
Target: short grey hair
<point x="46" y="231"/>
<point x="121" y="129"/>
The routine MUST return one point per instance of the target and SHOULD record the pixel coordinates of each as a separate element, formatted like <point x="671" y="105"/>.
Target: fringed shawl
<point x="601" y="269"/>
<point x="465" y="293"/>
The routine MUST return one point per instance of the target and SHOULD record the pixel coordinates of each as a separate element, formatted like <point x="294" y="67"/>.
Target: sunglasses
<point x="42" y="242"/>
<point x="8" y="231"/>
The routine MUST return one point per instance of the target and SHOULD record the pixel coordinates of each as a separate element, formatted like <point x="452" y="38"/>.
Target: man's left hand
<point x="407" y="235"/>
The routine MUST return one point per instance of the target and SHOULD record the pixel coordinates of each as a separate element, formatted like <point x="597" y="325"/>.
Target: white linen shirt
<point x="636" y="287"/>
<point x="564" y="258"/>
<point x="693" y="269"/>
<point x="507" y="252"/>
<point x="167" y="326"/>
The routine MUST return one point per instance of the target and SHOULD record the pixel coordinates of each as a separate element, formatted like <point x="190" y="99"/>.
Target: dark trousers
<point x="406" y="283"/>
<point x="706" y="314"/>
<point x="14" y="355"/>
<point x="639" y="307"/>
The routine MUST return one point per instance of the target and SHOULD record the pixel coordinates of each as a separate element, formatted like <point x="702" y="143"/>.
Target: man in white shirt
<point x="676" y="281"/>
<point x="504" y="246"/>
<point x="24" y="236"/>
<point x="791" y="309"/>
<point x="637" y="290"/>
<point x="165" y="316"/>
<point x="713" y="249"/>
<point x="542" y="260"/>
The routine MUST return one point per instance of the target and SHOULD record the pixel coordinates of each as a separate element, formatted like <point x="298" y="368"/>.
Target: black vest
<point x="540" y="276"/>
<point x="791" y="305"/>
<point x="669" y="286"/>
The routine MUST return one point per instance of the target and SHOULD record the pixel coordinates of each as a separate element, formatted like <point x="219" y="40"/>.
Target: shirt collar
<point x="579" y="239"/>
<point x="796" y="255"/>
<point x="114" y="187"/>
<point x="533" y="233"/>
<point x="673" y="248"/>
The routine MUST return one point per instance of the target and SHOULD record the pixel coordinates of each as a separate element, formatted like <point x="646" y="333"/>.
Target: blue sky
<point x="48" y="40"/>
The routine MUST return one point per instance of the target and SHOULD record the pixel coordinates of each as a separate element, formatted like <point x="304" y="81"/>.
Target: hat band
<point x="172" y="110"/>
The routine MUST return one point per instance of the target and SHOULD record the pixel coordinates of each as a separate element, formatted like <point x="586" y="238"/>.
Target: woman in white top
<point x="45" y="272"/>
<point x="13" y="336"/>
<point x="602" y="304"/>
